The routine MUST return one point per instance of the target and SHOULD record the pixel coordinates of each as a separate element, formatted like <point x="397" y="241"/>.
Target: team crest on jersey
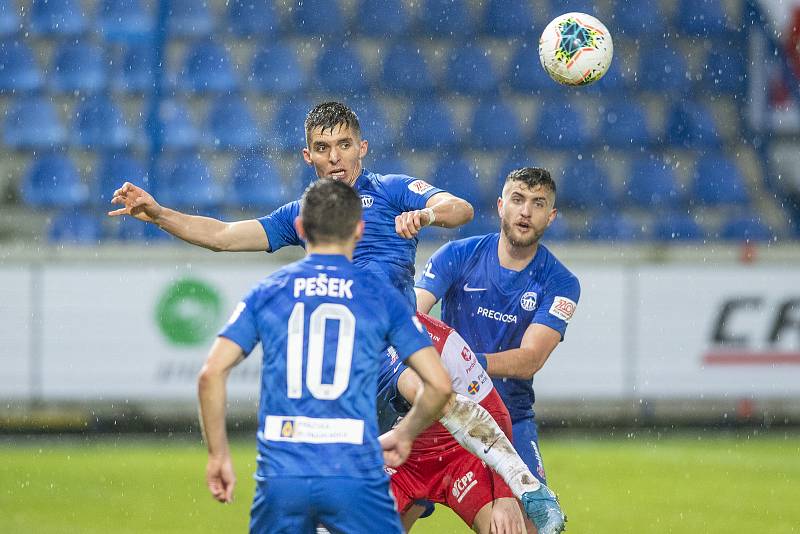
<point x="528" y="301"/>
<point x="474" y="387"/>
<point x="287" y="428"/>
<point x="420" y="187"/>
<point x="366" y="201"/>
<point x="466" y="354"/>
<point x="563" y="308"/>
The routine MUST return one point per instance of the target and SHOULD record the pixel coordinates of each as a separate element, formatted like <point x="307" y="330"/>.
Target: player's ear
<point x="500" y="207"/>
<point x="359" y="233"/>
<point x="363" y="148"/>
<point x="552" y="216"/>
<point x="298" y="225"/>
<point x="307" y="156"/>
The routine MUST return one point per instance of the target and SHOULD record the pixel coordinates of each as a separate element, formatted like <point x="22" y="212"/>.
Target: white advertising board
<point x="16" y="321"/>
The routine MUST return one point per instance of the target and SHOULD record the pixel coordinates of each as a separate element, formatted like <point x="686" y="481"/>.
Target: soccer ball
<point x="575" y="49"/>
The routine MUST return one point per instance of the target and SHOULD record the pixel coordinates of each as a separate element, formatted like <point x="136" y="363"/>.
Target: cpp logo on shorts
<point x="366" y="201"/>
<point x="563" y="308"/>
<point x="528" y="301"/>
<point x="462" y="485"/>
<point x="420" y="187"/>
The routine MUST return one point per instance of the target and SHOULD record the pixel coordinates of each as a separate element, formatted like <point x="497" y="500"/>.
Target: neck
<point x="340" y="249"/>
<point x="512" y="256"/>
<point x="356" y="174"/>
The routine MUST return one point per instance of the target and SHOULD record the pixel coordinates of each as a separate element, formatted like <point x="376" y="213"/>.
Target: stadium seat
<point x="470" y="71"/>
<point x="652" y="184"/>
<point x="746" y="228"/>
<point x="341" y="71"/>
<point x="134" y="73"/>
<point x="702" y="18"/>
<point x="257" y="184"/>
<point x="661" y="69"/>
<point x="249" y="18"/>
<point x="430" y="126"/>
<point x="20" y="73"/>
<point x="207" y="69"/>
<point x="446" y="18"/>
<point x="276" y="69"/>
<point x="318" y="18"/>
<point x="559" y="7"/>
<point x="612" y="82"/>
<point x="79" y="66"/>
<point x="676" y="227"/>
<point x="189" y="18"/>
<point x="113" y="170"/>
<point x="382" y="18"/>
<point x="52" y="181"/>
<point x="375" y="126"/>
<point x="558" y="230"/>
<point x="612" y="227"/>
<point x="459" y="177"/>
<point x="691" y="125"/>
<point x="526" y="75"/>
<point x="62" y="18"/>
<point x="388" y="162"/>
<point x="508" y="18"/>
<point x="287" y="130"/>
<point x="9" y="18"/>
<point x="725" y="71"/>
<point x="32" y="123"/>
<point x="514" y="160"/>
<point x="624" y="124"/>
<point x="99" y="124"/>
<point x="718" y="181"/>
<point x="495" y="125"/>
<point x="641" y="19"/>
<point x="560" y="126"/>
<point x="124" y="21"/>
<point x="177" y="130"/>
<point x="405" y="70"/>
<point x="78" y="227"/>
<point x="231" y="124"/>
<point x="584" y="185"/>
<point x="185" y="181"/>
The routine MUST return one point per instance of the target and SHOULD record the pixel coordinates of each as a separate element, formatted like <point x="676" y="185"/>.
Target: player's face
<point x="335" y="153"/>
<point x="525" y="213"/>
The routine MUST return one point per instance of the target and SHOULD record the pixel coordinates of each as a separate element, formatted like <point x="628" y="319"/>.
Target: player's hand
<point x="220" y="478"/>
<point x="409" y="223"/>
<point x="396" y="447"/>
<point x="137" y="203"/>
<point x="507" y="517"/>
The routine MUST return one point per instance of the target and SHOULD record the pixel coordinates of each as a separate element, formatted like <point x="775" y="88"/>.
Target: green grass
<point x="699" y="483"/>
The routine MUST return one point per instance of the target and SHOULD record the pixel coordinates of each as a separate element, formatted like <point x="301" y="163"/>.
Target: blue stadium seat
<point x="9" y="18"/>
<point x="387" y="162"/>
<point x="691" y="125"/>
<point x="257" y="184"/>
<point x="287" y="131"/>
<point x="185" y="181"/>
<point x="177" y="130"/>
<point x="525" y="73"/>
<point x="624" y="124"/>
<point x="584" y="185"/>
<point x="124" y="21"/>
<point x="430" y="126"/>
<point x="61" y="18"/>
<point x="77" y="227"/>
<point x="340" y="70"/>
<point x="509" y="18"/>
<point x="558" y="230"/>
<point x="276" y="69"/>
<point x="32" y="123"/>
<point x="130" y="229"/>
<point x="701" y="18"/>
<point x="725" y="71"/>
<point x="231" y="124"/>
<point x="134" y="74"/>
<point x="746" y="228"/>
<point x="559" y="7"/>
<point x="189" y="18"/>
<point x="52" y="181"/>
<point x="514" y="160"/>
<point x="560" y="126"/>
<point x="405" y="70"/>
<point x="113" y="170"/>
<point x="382" y="18"/>
<point x="676" y="227"/>
<point x="249" y="18"/>
<point x="495" y="125"/>
<point x="207" y="69"/>
<point x="99" y="124"/>
<point x="19" y="73"/>
<point x="638" y="19"/>
<point x="661" y="69"/>
<point x="718" y="181"/>
<point x="318" y="18"/>
<point x="375" y="126"/>
<point x="79" y="66"/>
<point x="446" y="18"/>
<point x="470" y="71"/>
<point x="459" y="177"/>
<point x="612" y="82"/>
<point x="652" y="184"/>
<point x="612" y="227"/>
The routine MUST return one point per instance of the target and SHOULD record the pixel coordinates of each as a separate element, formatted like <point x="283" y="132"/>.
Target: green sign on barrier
<point x="189" y="312"/>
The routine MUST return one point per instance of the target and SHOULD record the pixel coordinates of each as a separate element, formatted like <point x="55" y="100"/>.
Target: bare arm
<point x="205" y="232"/>
<point x="447" y="210"/>
<point x="537" y="344"/>
<point x="425" y="300"/>
<point x="211" y="391"/>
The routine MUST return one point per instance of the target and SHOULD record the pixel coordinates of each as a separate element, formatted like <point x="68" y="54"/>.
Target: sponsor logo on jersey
<point x="466" y="354"/>
<point x="420" y="187"/>
<point x="313" y="429"/>
<point x="563" y="308"/>
<point x="497" y="316"/>
<point x="366" y="201"/>
<point x="287" y="428"/>
<point x="468" y="289"/>
<point x="393" y="356"/>
<point x="528" y="301"/>
<point x="463" y="485"/>
<point x="474" y="387"/>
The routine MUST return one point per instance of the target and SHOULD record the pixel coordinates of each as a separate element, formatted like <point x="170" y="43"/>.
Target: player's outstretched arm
<point x="442" y="209"/>
<point x="425" y="300"/>
<point x="537" y="344"/>
<point x="211" y="391"/>
<point x="206" y="232"/>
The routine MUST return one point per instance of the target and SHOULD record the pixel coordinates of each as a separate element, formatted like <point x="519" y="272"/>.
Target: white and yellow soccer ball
<point x="576" y="49"/>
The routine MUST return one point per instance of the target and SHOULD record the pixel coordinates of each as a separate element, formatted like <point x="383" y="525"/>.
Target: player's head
<point x="527" y="205"/>
<point x="333" y="142"/>
<point x="330" y="215"/>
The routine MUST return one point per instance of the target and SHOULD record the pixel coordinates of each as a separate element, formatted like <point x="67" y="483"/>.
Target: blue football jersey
<point x="323" y="325"/>
<point x="491" y="306"/>
<point x="381" y="251"/>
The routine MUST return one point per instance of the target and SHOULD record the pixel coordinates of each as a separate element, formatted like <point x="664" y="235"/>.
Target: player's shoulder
<point x="399" y="182"/>
<point x="290" y="208"/>
<point x="556" y="269"/>
<point x="472" y="245"/>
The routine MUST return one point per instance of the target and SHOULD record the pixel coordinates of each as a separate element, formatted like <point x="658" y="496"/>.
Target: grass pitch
<point x="705" y="482"/>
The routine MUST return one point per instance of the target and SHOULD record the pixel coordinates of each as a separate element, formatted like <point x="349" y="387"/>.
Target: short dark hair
<point x="330" y="211"/>
<point x="532" y="177"/>
<point x="329" y="115"/>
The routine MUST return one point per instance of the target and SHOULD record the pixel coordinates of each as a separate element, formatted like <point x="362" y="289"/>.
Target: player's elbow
<point x="465" y="212"/>
<point x="440" y="390"/>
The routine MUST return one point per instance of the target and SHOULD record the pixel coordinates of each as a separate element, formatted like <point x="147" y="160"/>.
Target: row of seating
<point x="276" y="69"/>
<point x="125" y="20"/>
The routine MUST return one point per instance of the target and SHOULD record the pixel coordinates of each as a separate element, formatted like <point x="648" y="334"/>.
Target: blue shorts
<point x="342" y="504"/>
<point x="526" y="441"/>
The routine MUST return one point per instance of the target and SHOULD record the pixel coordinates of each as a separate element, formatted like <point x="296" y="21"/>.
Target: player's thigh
<point x="526" y="441"/>
<point x="356" y="505"/>
<point x="469" y="486"/>
<point x="282" y="505"/>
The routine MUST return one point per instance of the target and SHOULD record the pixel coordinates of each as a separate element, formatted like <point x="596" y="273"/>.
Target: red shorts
<point x="452" y="477"/>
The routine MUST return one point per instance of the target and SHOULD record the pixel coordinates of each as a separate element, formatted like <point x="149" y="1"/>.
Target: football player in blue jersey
<point x="509" y="297"/>
<point x="322" y="324"/>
